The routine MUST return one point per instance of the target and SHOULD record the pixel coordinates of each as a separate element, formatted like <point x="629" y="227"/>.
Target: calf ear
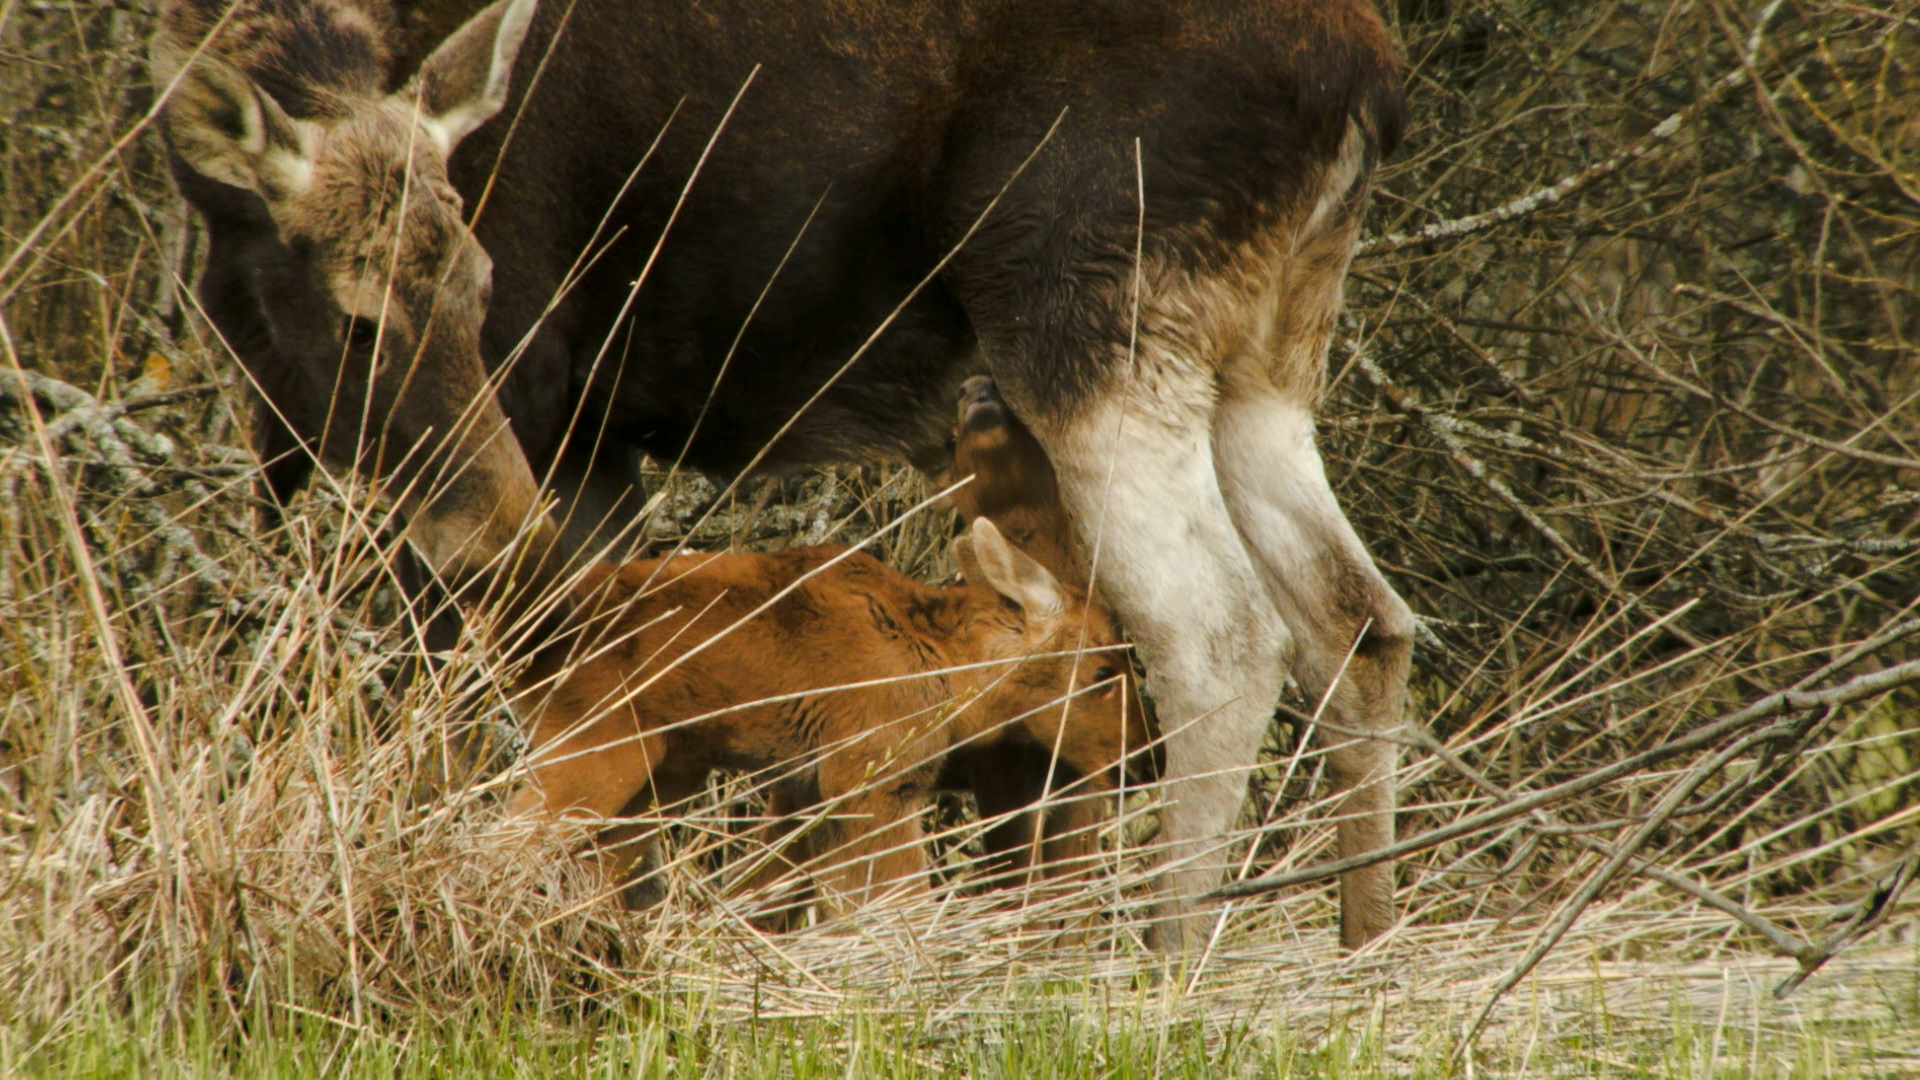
<point x="966" y="560"/>
<point x="225" y="127"/>
<point x="1009" y="570"/>
<point x="464" y="83"/>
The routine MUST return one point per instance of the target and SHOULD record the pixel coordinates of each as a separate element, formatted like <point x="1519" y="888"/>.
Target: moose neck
<point x="536" y="599"/>
<point x="487" y="539"/>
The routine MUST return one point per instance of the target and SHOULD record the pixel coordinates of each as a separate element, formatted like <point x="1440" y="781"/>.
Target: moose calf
<point x="1035" y="834"/>
<point x="1013" y="482"/>
<point x="858" y="677"/>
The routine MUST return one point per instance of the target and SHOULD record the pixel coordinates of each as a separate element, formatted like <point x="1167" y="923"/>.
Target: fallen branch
<point x="1597" y="882"/>
<point x="1780" y="937"/>
<point x="123" y="447"/>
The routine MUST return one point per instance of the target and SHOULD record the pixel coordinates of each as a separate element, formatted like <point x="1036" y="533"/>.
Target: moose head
<point x="341" y="268"/>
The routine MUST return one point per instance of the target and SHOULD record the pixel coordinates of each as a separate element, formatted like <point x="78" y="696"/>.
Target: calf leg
<point x="1041" y="835"/>
<point x="781" y="863"/>
<point x="631" y="845"/>
<point x="586" y="774"/>
<point x="883" y="845"/>
<point x="587" y="771"/>
<point x="884" y="849"/>
<point x="1006" y="780"/>
<point x="1073" y="832"/>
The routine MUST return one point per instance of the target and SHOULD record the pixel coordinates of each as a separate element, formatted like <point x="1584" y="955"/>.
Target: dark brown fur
<point x="340" y="269"/>
<point x="909" y="117"/>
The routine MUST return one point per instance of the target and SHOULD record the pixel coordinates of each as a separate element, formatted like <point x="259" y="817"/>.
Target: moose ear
<point x="1010" y="571"/>
<point x="228" y="129"/>
<point x="464" y="83"/>
<point x="965" y="559"/>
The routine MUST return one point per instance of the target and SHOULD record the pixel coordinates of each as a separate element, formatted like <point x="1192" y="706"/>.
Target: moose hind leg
<point x="1352" y="632"/>
<point x="1138" y="480"/>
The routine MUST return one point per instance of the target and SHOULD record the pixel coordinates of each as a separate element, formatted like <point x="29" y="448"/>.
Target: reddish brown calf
<point x="858" y="678"/>
<point x="1013" y="486"/>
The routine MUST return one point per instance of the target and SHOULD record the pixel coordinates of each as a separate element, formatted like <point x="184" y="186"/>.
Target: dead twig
<point x="1855" y="921"/>
<point x="1778" y="936"/>
<point x="1535" y="201"/>
<point x="124" y="447"/>
<point x="1786" y="702"/>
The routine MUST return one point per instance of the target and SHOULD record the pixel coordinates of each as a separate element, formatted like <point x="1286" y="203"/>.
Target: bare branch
<point x="1536" y="201"/>
<point x="1783" y="703"/>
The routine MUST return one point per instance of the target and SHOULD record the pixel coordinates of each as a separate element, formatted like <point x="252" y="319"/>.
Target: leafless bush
<point x="1647" y="451"/>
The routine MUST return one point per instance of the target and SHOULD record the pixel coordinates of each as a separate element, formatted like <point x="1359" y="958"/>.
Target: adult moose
<point x="1134" y="215"/>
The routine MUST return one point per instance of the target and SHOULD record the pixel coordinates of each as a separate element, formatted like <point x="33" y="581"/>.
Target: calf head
<point x="1013" y="480"/>
<point x="341" y="269"/>
<point x="1067" y="685"/>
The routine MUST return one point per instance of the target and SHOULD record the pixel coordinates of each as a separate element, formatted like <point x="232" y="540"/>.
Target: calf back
<point x="822" y="661"/>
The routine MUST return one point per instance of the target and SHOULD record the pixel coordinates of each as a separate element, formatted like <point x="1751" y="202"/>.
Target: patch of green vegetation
<point x="1047" y="1038"/>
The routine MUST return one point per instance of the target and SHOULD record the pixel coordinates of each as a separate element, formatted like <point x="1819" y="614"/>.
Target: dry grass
<point x="1641" y="456"/>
